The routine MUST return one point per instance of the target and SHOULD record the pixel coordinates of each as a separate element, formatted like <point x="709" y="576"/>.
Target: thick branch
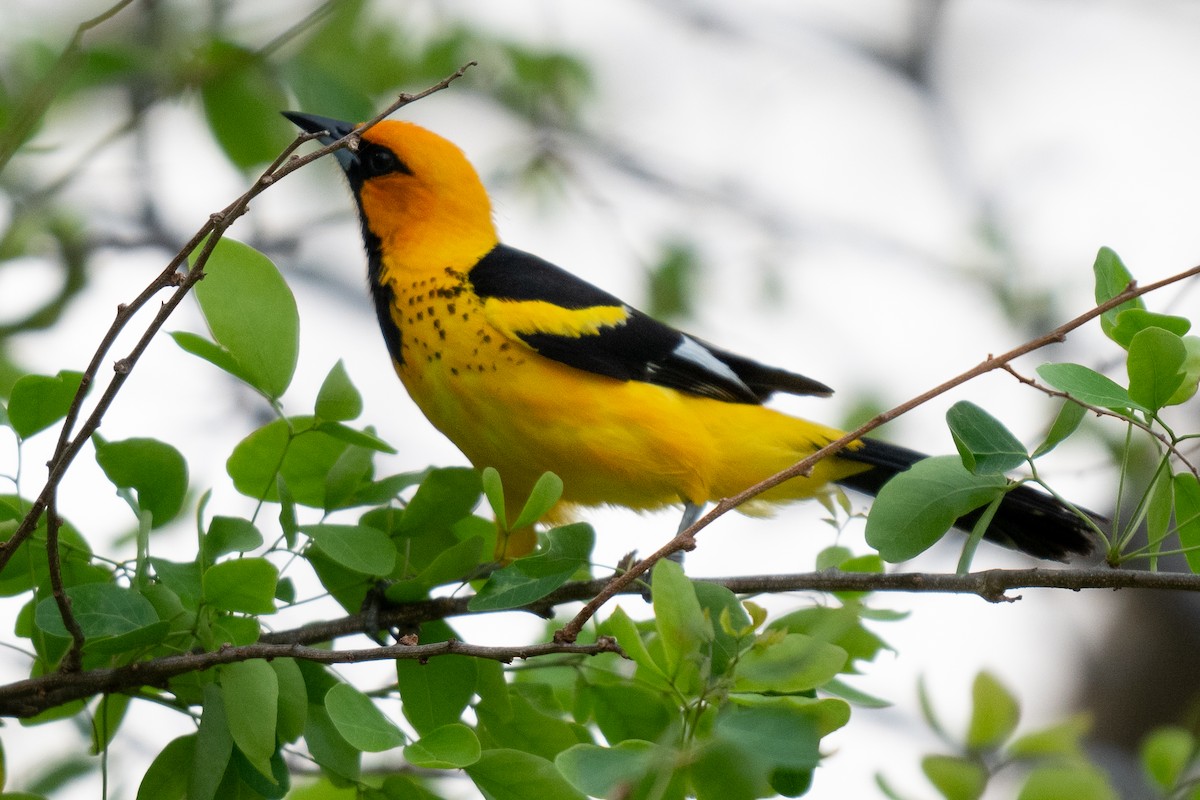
<point x="29" y="697"/>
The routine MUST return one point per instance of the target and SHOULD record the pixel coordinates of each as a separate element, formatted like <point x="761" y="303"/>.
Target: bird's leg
<point x="691" y="513"/>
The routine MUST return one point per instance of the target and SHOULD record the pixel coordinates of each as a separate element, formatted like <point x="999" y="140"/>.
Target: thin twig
<point x="73" y="659"/>
<point x="685" y="540"/>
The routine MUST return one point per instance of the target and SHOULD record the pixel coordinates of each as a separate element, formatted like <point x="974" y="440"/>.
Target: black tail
<point x="1027" y="520"/>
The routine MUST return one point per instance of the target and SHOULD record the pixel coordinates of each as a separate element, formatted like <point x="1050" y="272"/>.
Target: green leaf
<point x="721" y="771"/>
<point x="209" y="351"/>
<point x="253" y="783"/>
<point x="106" y="721"/>
<point x="531" y="718"/>
<point x="1132" y="321"/>
<point x="338" y="400"/>
<point x="328" y="748"/>
<point x="252" y="315"/>
<point x="359" y="721"/>
<point x="350" y="473"/>
<point x="732" y="625"/>
<point x="852" y="695"/>
<point x="533" y="577"/>
<point x="344" y="433"/>
<point x="436" y="692"/>
<point x="452" y="746"/>
<point x="214" y="746"/>
<point x="629" y="711"/>
<point x="955" y="778"/>
<point x="622" y="626"/>
<point x="1061" y="740"/>
<point x="230" y="535"/>
<point x="246" y="585"/>
<point x="1187" y="517"/>
<point x="112" y="617"/>
<point x="680" y="622"/>
<point x="1087" y="386"/>
<point x="994" y="714"/>
<point x="251" y="692"/>
<point x="542" y="498"/>
<point x="917" y="507"/>
<point x="443" y="498"/>
<point x="985" y="445"/>
<point x="1155" y="365"/>
<point x="600" y="771"/>
<point x="1166" y="753"/>
<point x="242" y="96"/>
<point x="290" y="448"/>
<point x="1112" y="278"/>
<point x="493" y="489"/>
<point x="358" y="548"/>
<point x="1052" y="782"/>
<point x="1191" y="372"/>
<point x="784" y="736"/>
<point x="1158" y="513"/>
<point x="293" y="699"/>
<point x="168" y="775"/>
<point x="153" y="469"/>
<point x="1068" y="420"/>
<point x="453" y="564"/>
<point x="38" y="401"/>
<point x="513" y="775"/>
<point x="795" y="663"/>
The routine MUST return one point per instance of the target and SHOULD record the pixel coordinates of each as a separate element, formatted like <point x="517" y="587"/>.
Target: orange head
<point x="416" y="192"/>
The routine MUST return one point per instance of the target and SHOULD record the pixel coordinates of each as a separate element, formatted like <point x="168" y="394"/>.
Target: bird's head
<point x="410" y="183"/>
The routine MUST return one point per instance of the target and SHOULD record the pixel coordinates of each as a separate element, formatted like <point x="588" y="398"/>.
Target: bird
<point x="528" y="368"/>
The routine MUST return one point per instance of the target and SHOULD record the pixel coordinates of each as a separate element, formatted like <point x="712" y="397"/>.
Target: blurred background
<point x="875" y="194"/>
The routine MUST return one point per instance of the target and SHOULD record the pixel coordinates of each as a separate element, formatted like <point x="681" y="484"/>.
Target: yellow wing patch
<point x="516" y="318"/>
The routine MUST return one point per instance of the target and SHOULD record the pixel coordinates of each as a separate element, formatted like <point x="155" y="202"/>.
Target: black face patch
<point x="375" y="160"/>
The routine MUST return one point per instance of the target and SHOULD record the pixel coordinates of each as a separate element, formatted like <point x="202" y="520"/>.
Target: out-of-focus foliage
<point x="343" y="59"/>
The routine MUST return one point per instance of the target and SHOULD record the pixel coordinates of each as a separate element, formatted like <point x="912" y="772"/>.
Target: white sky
<point x="1069" y="124"/>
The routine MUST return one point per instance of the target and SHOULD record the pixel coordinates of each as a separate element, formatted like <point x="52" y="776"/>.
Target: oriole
<point x="527" y="368"/>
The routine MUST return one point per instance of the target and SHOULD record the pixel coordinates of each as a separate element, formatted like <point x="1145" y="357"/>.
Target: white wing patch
<point x="689" y="349"/>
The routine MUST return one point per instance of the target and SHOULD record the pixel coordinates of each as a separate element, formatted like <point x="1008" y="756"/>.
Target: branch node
<point x="121" y="366"/>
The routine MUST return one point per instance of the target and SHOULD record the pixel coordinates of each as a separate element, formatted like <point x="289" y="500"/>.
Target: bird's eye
<point x="380" y="161"/>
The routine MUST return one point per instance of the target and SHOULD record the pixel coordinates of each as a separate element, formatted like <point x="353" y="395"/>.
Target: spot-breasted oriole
<point x="527" y="368"/>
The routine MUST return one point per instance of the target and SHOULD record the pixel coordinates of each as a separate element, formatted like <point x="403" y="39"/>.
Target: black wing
<point x="636" y="347"/>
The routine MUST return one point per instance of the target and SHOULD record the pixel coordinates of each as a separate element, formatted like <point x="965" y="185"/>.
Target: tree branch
<point x="29" y="697"/>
